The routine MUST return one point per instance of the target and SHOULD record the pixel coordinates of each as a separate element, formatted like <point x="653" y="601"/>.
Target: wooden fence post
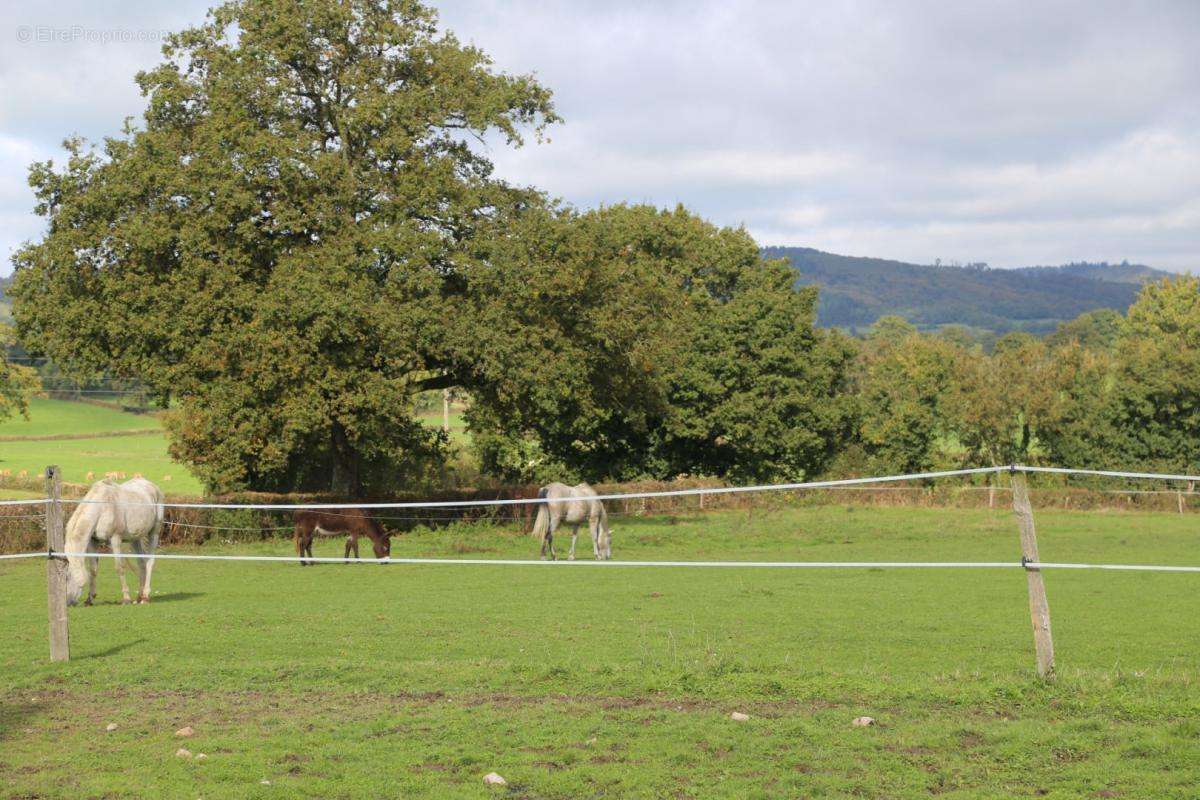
<point x="56" y="568"/>
<point x="1039" y="609"/>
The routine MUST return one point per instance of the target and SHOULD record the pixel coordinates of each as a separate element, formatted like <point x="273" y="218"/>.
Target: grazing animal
<point x="572" y="505"/>
<point x="114" y="513"/>
<point x="353" y="522"/>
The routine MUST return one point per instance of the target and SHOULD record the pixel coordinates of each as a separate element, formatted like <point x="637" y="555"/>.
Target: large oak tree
<point x="278" y="244"/>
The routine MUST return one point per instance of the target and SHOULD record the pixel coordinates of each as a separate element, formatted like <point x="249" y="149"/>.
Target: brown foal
<point x="353" y="522"/>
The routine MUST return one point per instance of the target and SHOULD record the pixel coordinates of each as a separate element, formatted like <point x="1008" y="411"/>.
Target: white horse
<point x="113" y="512"/>
<point x="572" y="505"/>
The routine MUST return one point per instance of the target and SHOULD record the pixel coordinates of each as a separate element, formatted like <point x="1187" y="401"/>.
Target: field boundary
<point x="566" y="564"/>
<point x="63" y="437"/>
<point x="518" y="501"/>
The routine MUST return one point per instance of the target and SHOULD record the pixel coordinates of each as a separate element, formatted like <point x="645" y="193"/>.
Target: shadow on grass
<point x="155" y="599"/>
<point x="113" y="650"/>
<point x="657" y="520"/>
<point x="174" y="596"/>
<point x="14" y="715"/>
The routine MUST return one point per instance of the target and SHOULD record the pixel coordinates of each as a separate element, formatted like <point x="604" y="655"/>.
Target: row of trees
<point x="1104" y="391"/>
<point x="305" y="233"/>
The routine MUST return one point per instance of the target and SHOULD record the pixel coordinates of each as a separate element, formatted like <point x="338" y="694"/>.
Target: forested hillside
<point x="854" y="292"/>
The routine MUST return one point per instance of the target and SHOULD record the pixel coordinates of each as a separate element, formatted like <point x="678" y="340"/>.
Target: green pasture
<point x="372" y="680"/>
<point x="458" y="425"/>
<point x="68" y="418"/>
<point x="144" y="453"/>
<point x="91" y="445"/>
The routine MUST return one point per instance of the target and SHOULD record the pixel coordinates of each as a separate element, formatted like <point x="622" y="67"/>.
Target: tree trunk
<point x="345" y="479"/>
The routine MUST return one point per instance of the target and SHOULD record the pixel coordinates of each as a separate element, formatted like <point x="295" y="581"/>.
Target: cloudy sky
<point x="1005" y="132"/>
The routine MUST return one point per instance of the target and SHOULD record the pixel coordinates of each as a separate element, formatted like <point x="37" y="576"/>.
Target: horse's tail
<point x="542" y="523"/>
<point x="160" y="517"/>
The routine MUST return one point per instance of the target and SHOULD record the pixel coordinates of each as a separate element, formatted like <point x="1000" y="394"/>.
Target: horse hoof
<point x="125" y="601"/>
<point x="143" y="600"/>
<point x="87" y="602"/>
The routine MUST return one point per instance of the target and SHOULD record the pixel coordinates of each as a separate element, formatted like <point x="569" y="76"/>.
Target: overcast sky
<point x="1008" y="132"/>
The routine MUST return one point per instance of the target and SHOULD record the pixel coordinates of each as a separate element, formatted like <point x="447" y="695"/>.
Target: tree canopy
<point x="278" y="243"/>
<point x="17" y="383"/>
<point x="651" y="344"/>
<point x="305" y="231"/>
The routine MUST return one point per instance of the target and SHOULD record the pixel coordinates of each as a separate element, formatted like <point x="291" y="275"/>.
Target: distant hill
<point x="1115" y="273"/>
<point x="857" y="291"/>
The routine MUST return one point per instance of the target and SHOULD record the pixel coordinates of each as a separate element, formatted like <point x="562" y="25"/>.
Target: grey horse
<point x="573" y="505"/>
<point x="114" y="513"/>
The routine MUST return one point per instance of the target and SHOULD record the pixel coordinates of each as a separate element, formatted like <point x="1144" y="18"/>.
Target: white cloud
<point x="992" y="131"/>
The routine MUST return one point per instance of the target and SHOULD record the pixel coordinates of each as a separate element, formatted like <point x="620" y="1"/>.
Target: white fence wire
<point x="524" y="562"/>
<point x="725" y="490"/>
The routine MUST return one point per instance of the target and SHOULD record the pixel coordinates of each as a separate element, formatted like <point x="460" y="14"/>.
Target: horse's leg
<point x="594" y="530"/>
<point x="298" y="541"/>
<point x="93" y="566"/>
<point x="152" y="548"/>
<point x="140" y="565"/>
<point x="574" y="536"/>
<point x="350" y="542"/>
<point x="120" y="564"/>
<point x="548" y="536"/>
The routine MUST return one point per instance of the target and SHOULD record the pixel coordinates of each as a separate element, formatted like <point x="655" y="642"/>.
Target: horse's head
<point x="381" y="539"/>
<point x="383" y="546"/>
<point x="76" y="580"/>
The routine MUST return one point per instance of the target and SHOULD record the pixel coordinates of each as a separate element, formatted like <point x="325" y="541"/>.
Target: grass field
<point x="67" y="418"/>
<point x="103" y="452"/>
<point x="145" y="453"/>
<point x="458" y="426"/>
<point x="93" y="447"/>
<point x="415" y="681"/>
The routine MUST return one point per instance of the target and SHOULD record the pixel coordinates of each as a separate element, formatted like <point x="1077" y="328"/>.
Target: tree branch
<point x="436" y="382"/>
